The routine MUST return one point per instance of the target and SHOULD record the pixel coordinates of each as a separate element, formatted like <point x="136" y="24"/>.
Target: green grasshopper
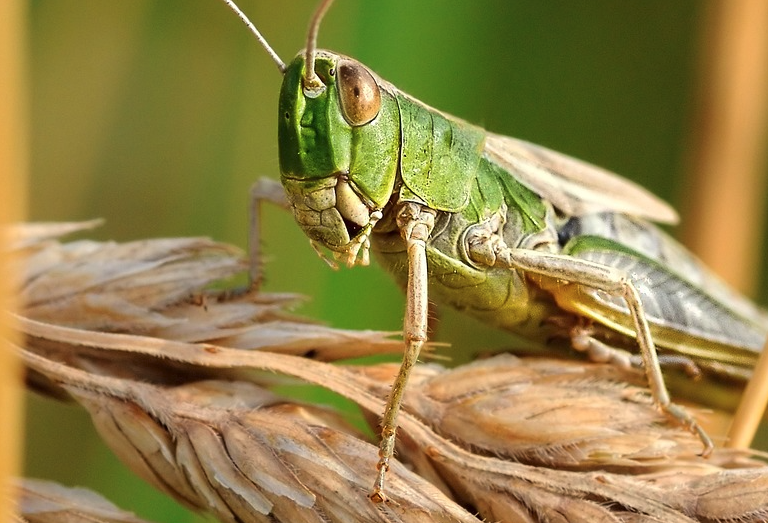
<point x="516" y="235"/>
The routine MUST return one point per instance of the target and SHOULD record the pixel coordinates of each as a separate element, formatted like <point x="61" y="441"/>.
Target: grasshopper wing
<point x="573" y="186"/>
<point x="683" y="317"/>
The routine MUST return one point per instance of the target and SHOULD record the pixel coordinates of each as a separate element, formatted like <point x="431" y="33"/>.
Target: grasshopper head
<point x="338" y="141"/>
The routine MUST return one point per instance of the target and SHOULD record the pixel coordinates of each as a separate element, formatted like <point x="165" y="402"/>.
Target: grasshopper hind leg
<point x="555" y="271"/>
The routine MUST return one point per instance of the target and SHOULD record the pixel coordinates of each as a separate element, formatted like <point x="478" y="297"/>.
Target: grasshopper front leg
<point x="415" y="223"/>
<point x="569" y="270"/>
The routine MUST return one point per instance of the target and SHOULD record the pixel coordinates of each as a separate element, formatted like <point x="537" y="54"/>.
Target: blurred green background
<point x="158" y="115"/>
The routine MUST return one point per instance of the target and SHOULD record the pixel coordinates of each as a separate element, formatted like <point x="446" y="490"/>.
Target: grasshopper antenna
<point x="252" y="28"/>
<point x="311" y="83"/>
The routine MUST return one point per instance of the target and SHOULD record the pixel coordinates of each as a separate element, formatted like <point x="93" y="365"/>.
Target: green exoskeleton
<point x="519" y="236"/>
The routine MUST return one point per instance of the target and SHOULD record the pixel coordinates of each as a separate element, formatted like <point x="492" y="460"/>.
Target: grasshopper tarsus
<point x="377" y="494"/>
<point x="681" y="416"/>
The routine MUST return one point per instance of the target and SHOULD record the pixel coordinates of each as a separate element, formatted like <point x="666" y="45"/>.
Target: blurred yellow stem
<point x="726" y="184"/>
<point x="750" y="411"/>
<point x="725" y="213"/>
<point x="13" y="166"/>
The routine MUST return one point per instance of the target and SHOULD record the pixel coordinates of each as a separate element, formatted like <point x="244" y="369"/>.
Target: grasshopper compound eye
<point x="358" y="92"/>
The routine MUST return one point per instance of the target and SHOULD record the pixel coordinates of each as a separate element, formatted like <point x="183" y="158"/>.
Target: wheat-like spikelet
<point x="176" y="377"/>
<point x="45" y="501"/>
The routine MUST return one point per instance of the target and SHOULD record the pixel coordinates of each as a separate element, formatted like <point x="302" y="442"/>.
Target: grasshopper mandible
<point x="519" y="236"/>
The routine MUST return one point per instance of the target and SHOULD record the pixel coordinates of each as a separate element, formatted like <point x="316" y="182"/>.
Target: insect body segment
<point x="439" y="156"/>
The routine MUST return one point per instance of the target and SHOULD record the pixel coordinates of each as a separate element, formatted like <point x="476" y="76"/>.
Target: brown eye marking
<point x="358" y="92"/>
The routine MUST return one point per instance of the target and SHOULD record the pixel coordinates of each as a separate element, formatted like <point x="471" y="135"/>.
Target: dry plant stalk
<point x="172" y="377"/>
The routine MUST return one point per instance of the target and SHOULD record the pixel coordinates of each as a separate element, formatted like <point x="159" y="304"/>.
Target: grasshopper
<point x="519" y="236"/>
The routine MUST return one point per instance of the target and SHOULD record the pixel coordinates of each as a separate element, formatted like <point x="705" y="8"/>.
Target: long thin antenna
<point x="263" y="41"/>
<point x="312" y="83"/>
